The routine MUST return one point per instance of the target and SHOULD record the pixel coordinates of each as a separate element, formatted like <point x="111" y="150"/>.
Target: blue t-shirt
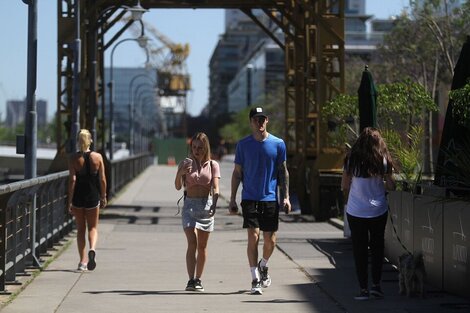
<point x="260" y="161"/>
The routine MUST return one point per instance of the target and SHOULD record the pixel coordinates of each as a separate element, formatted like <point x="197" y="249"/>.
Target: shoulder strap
<point x="211" y="192"/>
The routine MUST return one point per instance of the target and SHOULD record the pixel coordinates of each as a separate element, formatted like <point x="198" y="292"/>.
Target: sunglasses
<point x="260" y="119"/>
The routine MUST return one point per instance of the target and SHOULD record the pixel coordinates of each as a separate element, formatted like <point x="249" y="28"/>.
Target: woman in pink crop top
<point x="200" y="177"/>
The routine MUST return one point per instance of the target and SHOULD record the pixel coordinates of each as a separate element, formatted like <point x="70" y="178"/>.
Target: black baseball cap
<point x="258" y="111"/>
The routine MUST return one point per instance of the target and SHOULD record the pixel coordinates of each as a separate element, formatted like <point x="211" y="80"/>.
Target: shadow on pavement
<point x="163" y="292"/>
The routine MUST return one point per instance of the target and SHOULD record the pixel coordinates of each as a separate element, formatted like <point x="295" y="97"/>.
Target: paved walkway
<point x="141" y="267"/>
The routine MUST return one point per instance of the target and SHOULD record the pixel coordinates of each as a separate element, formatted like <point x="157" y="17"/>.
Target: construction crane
<point x="169" y="60"/>
<point x="173" y="80"/>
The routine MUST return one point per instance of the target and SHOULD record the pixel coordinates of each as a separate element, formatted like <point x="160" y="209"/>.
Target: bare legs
<point x="196" y="254"/>
<point x="82" y="219"/>
<point x="253" y="240"/>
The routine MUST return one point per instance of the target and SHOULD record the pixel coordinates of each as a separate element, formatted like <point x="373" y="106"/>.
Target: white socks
<point x="254" y="273"/>
<point x="254" y="270"/>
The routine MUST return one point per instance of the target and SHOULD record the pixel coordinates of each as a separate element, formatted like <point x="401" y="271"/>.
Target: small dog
<point x="411" y="274"/>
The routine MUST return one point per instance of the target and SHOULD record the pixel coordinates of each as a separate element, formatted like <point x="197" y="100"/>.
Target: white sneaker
<point x="256" y="287"/>
<point x="82" y="267"/>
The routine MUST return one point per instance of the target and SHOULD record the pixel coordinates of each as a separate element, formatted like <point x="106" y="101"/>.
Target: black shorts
<point x="260" y="214"/>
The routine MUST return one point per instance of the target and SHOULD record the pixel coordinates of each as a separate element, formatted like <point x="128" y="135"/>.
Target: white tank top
<point x="367" y="197"/>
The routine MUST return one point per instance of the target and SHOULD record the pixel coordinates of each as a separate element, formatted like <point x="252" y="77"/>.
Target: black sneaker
<point x="198" y="285"/>
<point x="191" y="285"/>
<point x="91" y="260"/>
<point x="363" y="295"/>
<point x="265" y="278"/>
<point x="376" y="292"/>
<point x="256" y="287"/>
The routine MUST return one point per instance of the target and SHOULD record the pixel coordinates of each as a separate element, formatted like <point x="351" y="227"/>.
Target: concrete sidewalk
<point x="141" y="265"/>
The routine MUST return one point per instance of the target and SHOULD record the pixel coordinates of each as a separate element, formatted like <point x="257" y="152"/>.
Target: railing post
<point x="3" y="241"/>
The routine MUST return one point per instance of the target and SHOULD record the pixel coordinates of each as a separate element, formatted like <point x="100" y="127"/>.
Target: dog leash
<point x="395" y="231"/>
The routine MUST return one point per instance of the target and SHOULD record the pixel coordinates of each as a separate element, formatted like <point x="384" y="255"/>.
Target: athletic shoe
<point x="191" y="285"/>
<point x="376" y="292"/>
<point x="81" y="267"/>
<point x="91" y="260"/>
<point x="363" y="295"/>
<point x="198" y="285"/>
<point x="256" y="287"/>
<point x="265" y="278"/>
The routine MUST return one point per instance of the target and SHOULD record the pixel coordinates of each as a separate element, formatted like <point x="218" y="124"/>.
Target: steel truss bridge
<point x="314" y="70"/>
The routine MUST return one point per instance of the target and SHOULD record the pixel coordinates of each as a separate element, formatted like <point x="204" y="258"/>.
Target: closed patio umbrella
<point x="367" y="95"/>
<point x="454" y="135"/>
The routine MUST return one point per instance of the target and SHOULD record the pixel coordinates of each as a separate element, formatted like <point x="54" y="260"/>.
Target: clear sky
<point x="199" y="28"/>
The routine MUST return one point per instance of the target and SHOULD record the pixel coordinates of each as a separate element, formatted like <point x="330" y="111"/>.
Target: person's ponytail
<point x="84" y="140"/>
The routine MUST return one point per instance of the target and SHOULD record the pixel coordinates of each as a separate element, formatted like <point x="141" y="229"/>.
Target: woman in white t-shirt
<point x="367" y="175"/>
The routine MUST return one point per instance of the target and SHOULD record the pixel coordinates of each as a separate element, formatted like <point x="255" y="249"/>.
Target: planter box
<point x="428" y="236"/>
<point x="393" y="247"/>
<point x="407" y="229"/>
<point x="456" y="246"/>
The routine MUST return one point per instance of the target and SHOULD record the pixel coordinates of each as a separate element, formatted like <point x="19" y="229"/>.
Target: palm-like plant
<point x="407" y="154"/>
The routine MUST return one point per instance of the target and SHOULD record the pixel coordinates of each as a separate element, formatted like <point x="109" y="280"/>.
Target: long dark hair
<point x="367" y="155"/>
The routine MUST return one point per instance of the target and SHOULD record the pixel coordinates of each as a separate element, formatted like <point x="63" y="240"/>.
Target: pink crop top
<point x="203" y="176"/>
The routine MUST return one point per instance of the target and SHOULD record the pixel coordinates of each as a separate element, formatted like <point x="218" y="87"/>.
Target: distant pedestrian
<point x="86" y="195"/>
<point x="199" y="175"/>
<point x="367" y="175"/>
<point x="221" y="150"/>
<point x="260" y="165"/>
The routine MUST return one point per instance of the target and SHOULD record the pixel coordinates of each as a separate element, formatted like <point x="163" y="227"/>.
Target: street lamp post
<point x="139" y="101"/>
<point x="144" y="121"/>
<point x="131" y="109"/>
<point x="28" y="145"/>
<point x="142" y="40"/>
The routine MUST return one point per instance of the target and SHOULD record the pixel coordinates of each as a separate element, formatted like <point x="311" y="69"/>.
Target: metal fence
<point x="122" y="171"/>
<point x="34" y="215"/>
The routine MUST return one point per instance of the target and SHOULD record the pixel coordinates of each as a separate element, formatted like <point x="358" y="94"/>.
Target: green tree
<point x="239" y="126"/>
<point x="461" y="104"/>
<point x="424" y="46"/>
<point x="400" y="108"/>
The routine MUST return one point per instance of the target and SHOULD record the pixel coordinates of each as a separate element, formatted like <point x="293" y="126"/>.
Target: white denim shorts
<point x="196" y="214"/>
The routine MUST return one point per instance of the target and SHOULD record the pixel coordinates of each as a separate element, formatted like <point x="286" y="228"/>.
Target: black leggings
<point x="363" y="229"/>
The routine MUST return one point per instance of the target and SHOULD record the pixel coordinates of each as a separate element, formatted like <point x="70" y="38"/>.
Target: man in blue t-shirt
<point x="260" y="165"/>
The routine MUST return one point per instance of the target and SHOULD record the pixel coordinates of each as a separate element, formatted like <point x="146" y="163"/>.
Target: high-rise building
<point x="16" y="110"/>
<point x="233" y="17"/>
<point x="260" y="76"/>
<point x="247" y="64"/>
<point x="233" y="46"/>
<point x="143" y="94"/>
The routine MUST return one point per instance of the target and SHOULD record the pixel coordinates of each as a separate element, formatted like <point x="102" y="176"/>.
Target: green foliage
<point x="406" y="151"/>
<point x="45" y="135"/>
<point x="8" y="135"/>
<point x="399" y="105"/>
<point x="341" y="108"/>
<point x="425" y="43"/>
<point x="402" y="102"/>
<point x="240" y="125"/>
<point x="461" y="105"/>
<point x="239" y="128"/>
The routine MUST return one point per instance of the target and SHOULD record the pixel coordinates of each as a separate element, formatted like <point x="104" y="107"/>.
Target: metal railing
<point x="45" y="197"/>
<point x="122" y="171"/>
<point x="34" y="215"/>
